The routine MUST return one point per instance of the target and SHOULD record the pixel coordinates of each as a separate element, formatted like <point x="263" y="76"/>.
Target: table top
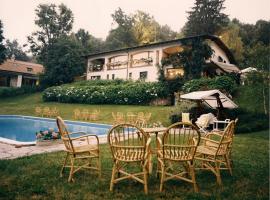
<point x="154" y="129"/>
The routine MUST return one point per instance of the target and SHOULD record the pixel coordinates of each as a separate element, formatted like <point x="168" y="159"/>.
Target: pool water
<point x="23" y="128"/>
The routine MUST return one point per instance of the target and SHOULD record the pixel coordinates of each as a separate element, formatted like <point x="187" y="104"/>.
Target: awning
<point x="229" y="68"/>
<point x="210" y="98"/>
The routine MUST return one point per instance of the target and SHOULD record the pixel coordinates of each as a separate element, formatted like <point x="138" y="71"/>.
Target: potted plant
<point x="48" y="137"/>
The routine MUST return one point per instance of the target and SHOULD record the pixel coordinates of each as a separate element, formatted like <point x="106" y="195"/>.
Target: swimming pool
<point x="22" y="129"/>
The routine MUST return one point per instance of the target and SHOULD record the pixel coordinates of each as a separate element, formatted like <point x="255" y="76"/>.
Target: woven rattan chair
<point x="129" y="145"/>
<point x="54" y="112"/>
<point x="38" y="111"/>
<point x="118" y="118"/>
<point x="85" y="114"/>
<point x="80" y="155"/>
<point x="176" y="152"/>
<point x="47" y="112"/>
<point x="215" y="150"/>
<point x="131" y="118"/>
<point x="76" y="113"/>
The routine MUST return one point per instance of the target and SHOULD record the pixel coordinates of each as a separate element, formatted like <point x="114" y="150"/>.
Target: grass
<point x="37" y="177"/>
<point x="25" y="105"/>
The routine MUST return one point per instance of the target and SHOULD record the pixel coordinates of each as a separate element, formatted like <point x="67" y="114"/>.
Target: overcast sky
<point x="95" y="15"/>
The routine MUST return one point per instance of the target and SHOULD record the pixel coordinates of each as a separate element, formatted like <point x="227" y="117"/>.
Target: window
<point x="143" y="75"/>
<point x="113" y="76"/>
<point x="130" y="75"/>
<point x="108" y="76"/>
<point x="29" y="69"/>
<point x="95" y="77"/>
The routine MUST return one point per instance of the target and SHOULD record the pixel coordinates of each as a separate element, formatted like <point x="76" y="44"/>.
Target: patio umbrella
<point x="212" y="98"/>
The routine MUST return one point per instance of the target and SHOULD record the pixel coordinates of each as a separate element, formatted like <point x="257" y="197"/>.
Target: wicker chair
<point x="176" y="152"/>
<point x="131" y="118"/>
<point x="54" y="112"/>
<point x="129" y="145"/>
<point x="118" y="118"/>
<point x="77" y="113"/>
<point x="80" y="155"/>
<point x="215" y="150"/>
<point x="46" y="112"/>
<point x="38" y="111"/>
<point x="85" y="114"/>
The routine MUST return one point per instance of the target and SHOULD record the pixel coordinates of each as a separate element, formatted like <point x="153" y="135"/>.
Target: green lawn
<point x="36" y="177"/>
<point x="25" y="105"/>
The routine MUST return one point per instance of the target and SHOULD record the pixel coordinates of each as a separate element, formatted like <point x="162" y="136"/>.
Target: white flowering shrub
<point x="118" y="92"/>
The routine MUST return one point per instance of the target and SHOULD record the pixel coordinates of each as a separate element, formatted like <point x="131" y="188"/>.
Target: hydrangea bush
<point x="118" y="92"/>
<point x="47" y="135"/>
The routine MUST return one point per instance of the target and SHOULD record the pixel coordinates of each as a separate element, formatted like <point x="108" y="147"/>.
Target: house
<point x="141" y="62"/>
<point x="14" y="73"/>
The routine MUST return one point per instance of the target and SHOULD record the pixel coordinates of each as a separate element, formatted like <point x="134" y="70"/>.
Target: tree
<point x="122" y="36"/>
<point x="2" y="47"/>
<point x="53" y="23"/>
<point x="13" y="48"/>
<point x="65" y="61"/>
<point x="206" y="17"/>
<point x="90" y="43"/>
<point x="231" y="37"/>
<point x="147" y="30"/>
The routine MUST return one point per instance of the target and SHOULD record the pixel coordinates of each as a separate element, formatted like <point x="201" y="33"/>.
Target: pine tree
<point x="206" y="18"/>
<point x="2" y="47"/>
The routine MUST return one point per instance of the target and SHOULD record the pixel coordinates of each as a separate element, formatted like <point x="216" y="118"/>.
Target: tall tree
<point x="2" y="47"/>
<point x="90" y="43"/>
<point x="231" y="37"/>
<point x="13" y="48"/>
<point x="206" y="17"/>
<point x="65" y="61"/>
<point x="122" y="36"/>
<point x="54" y="22"/>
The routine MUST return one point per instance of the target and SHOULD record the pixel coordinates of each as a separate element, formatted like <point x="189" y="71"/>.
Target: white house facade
<point x="141" y="62"/>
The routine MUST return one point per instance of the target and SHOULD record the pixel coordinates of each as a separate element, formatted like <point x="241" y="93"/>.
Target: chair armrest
<point x="86" y="136"/>
<point x="209" y="140"/>
<point x="208" y="135"/>
<point x="159" y="143"/>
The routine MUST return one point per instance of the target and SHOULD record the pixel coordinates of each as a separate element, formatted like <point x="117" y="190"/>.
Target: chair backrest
<point x="178" y="141"/>
<point x="64" y="134"/>
<point x="127" y="142"/>
<point x="226" y="138"/>
<point x="185" y="117"/>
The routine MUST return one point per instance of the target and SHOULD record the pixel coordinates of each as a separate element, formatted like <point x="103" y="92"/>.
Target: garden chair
<point x="85" y="114"/>
<point x="94" y="115"/>
<point x="214" y="151"/>
<point x="46" y="112"/>
<point x="140" y="116"/>
<point x="54" y="112"/>
<point x="38" y="111"/>
<point x="118" y="118"/>
<point x="131" y="118"/>
<point x="147" y="117"/>
<point x="129" y="145"/>
<point x="77" y="113"/>
<point x="80" y="155"/>
<point x="176" y="152"/>
<point x="203" y="122"/>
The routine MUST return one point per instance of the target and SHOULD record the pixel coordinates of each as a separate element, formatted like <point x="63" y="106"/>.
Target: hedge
<point x="223" y="83"/>
<point x="12" y="91"/>
<point x="106" y="92"/>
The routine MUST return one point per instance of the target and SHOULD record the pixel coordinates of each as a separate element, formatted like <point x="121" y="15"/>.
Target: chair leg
<point x="63" y="167"/>
<point x="193" y="178"/>
<point x="145" y="174"/>
<point x="228" y="163"/>
<point x="70" y="178"/>
<point x="218" y="173"/>
<point x="113" y="177"/>
<point x="162" y="177"/>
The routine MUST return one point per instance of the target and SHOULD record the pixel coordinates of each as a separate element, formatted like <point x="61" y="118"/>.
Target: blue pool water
<point x="23" y="128"/>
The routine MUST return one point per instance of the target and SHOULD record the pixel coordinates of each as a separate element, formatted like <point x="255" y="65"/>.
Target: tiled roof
<point x="21" y="67"/>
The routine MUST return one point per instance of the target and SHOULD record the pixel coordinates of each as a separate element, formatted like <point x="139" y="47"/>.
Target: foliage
<point x="89" y="43"/>
<point x="13" y="48"/>
<point x="65" y="61"/>
<point x="231" y="37"/>
<point x="206" y="17"/>
<point x="54" y="22"/>
<point x="11" y="91"/>
<point x="121" y="36"/>
<point x="192" y="58"/>
<point x="2" y="47"/>
<point x="130" y="93"/>
<point x="47" y="135"/>
<point x="223" y="83"/>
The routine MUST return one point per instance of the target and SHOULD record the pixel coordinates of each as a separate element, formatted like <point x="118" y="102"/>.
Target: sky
<point x="95" y="15"/>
